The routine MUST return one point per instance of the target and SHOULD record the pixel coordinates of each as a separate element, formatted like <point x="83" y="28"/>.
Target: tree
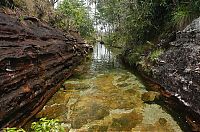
<point x="75" y="16"/>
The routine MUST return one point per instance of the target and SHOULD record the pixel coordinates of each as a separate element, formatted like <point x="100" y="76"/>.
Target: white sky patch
<point x="56" y="5"/>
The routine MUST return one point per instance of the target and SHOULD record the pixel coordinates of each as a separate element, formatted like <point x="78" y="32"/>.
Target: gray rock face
<point x="180" y="72"/>
<point x="194" y="26"/>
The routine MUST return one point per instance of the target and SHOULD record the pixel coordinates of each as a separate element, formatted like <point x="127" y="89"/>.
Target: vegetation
<point x="43" y="125"/>
<point x="69" y="14"/>
<point x="139" y="25"/>
<point x="155" y="54"/>
<point x="75" y="16"/>
<point x="14" y="129"/>
<point x="136" y="22"/>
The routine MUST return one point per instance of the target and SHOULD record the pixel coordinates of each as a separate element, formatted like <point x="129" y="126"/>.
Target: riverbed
<point x="104" y="96"/>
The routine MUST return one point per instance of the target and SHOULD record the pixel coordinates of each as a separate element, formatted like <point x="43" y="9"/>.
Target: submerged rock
<point x="180" y="74"/>
<point x="34" y="59"/>
<point x="126" y="122"/>
<point x="150" y="96"/>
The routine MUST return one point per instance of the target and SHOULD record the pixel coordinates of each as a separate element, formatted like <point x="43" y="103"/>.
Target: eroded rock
<point x="34" y="59"/>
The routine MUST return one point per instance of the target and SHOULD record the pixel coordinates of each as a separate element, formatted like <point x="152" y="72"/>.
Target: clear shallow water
<point x="103" y="96"/>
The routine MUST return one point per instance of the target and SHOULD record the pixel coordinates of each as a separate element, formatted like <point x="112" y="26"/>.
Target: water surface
<point x="104" y="96"/>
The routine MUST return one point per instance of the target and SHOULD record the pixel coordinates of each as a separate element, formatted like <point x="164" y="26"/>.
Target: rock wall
<point x="178" y="71"/>
<point x="34" y="59"/>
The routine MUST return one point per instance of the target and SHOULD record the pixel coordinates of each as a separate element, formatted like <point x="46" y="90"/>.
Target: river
<point x="104" y="96"/>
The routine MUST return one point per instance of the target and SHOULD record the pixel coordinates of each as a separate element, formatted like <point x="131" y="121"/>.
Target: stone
<point x="126" y="122"/>
<point x="88" y="113"/>
<point x="150" y="96"/>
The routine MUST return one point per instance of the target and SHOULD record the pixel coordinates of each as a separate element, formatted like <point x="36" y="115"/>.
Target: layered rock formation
<point x="34" y="59"/>
<point x="178" y="71"/>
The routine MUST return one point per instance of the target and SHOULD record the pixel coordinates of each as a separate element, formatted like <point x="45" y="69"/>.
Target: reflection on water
<point x="103" y="59"/>
<point x="107" y="98"/>
<point x="101" y="53"/>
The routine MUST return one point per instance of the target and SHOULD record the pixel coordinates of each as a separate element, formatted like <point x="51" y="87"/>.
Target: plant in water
<point x="14" y="129"/>
<point x="43" y="125"/>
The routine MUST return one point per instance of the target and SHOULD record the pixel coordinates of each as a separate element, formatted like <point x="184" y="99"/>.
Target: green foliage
<point x="155" y="54"/>
<point x="133" y="21"/>
<point x="13" y="130"/>
<point x="144" y="20"/>
<point x="76" y="16"/>
<point x="114" y="39"/>
<point x="43" y="125"/>
<point x="185" y="13"/>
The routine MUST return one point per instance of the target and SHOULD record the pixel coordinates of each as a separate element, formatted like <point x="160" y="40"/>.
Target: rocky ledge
<point x="34" y="59"/>
<point x="178" y="72"/>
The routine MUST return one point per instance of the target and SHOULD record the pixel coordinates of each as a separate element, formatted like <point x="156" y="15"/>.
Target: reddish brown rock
<point x="34" y="59"/>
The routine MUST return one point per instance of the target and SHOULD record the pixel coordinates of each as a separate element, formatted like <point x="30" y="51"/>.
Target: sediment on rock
<point x="34" y="59"/>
